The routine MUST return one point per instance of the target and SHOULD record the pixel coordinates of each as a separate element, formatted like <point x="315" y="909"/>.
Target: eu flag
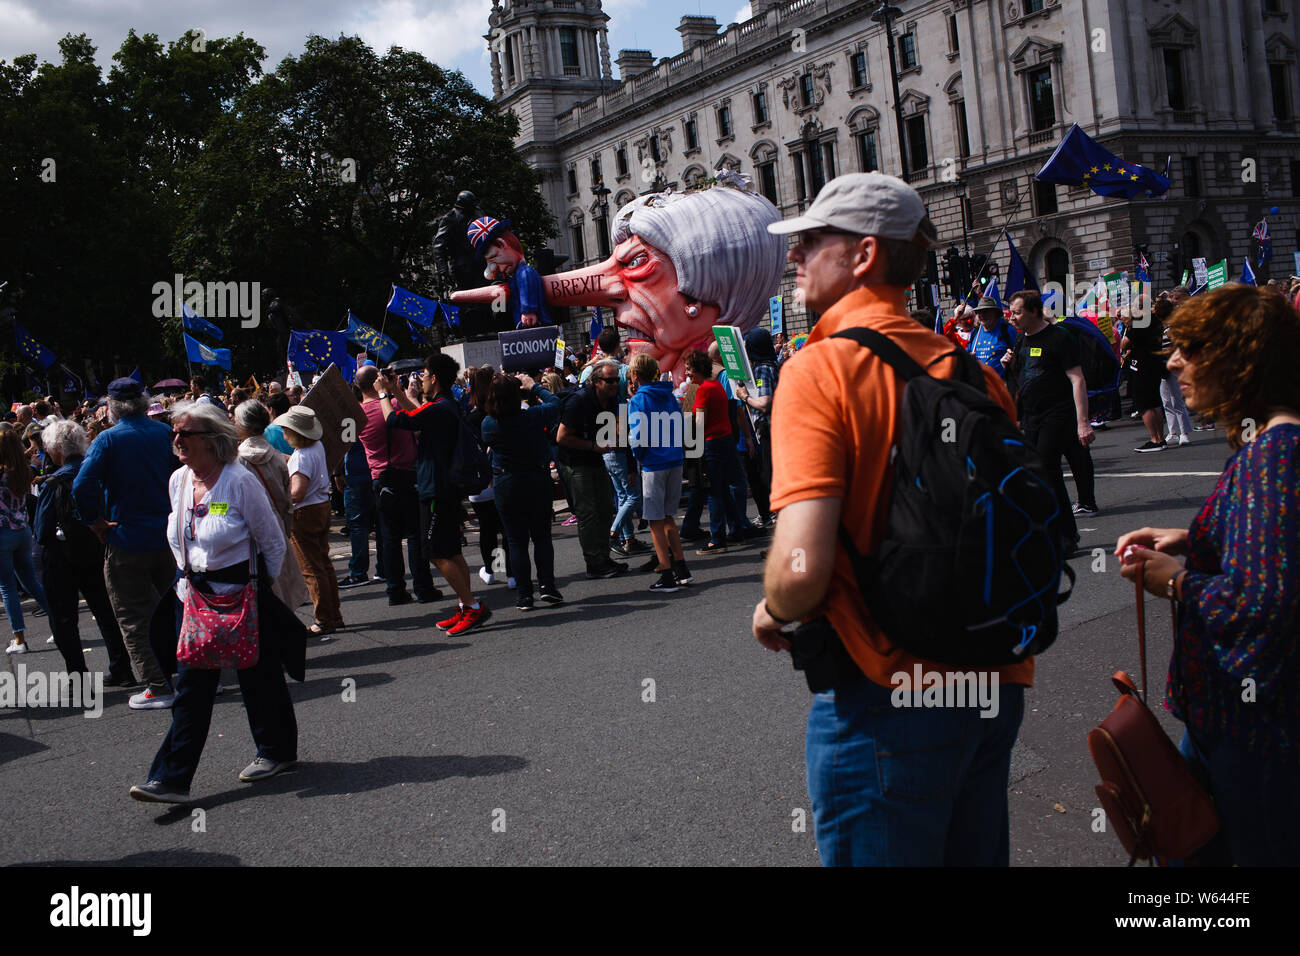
<point x="31" y="349"/>
<point x="318" y="349"/>
<point x="415" y="308"/>
<point x="419" y="335"/>
<point x="1247" y="273"/>
<point x="196" y="351"/>
<point x="1019" y="277"/>
<point x="1080" y="161"/>
<point x="597" y="324"/>
<point x="452" y="312"/>
<point x="372" y="340"/>
<point x="196" y="323"/>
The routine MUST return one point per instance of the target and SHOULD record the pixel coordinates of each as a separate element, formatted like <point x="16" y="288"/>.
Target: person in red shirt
<point x="721" y="465"/>
<point x="961" y="326"/>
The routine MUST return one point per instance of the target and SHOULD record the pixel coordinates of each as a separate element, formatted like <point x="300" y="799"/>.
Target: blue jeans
<point x="722" y="466"/>
<point x="1256" y="797"/>
<point x="16" y="565"/>
<point x="627" y="493"/>
<point x="361" y="511"/>
<point x="914" y="786"/>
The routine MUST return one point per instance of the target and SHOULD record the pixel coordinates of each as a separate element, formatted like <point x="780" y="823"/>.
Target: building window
<point x="868" y="159"/>
<point x="1191" y="177"/>
<point x="767" y="181"/>
<point x="858" y="64"/>
<point x="963" y="134"/>
<point x="1033" y="6"/>
<point x="954" y="42"/>
<point x="602" y="237"/>
<point x="654" y="150"/>
<point x="816" y="169"/>
<point x="1042" y="105"/>
<point x="579" y="243"/>
<point x="1272" y="6"/>
<point x="596" y="177"/>
<point x="800" y="181"/>
<point x="918" y="151"/>
<point x="724" y="121"/>
<point x="573" y="181"/>
<point x="1295" y="179"/>
<point x="1045" y="198"/>
<point x="760" y="108"/>
<point x="806" y="89"/>
<point x="906" y="51"/>
<point x="1277" y="77"/>
<point x="692" y="135"/>
<point x="828" y="160"/>
<point x="510" y="60"/>
<point x="569" y="50"/>
<point x="620" y="160"/>
<point x="1174" y="86"/>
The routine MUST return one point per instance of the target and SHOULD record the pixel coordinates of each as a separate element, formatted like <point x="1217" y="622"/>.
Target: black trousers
<point x="758" y="469"/>
<point x="406" y="525"/>
<point x="524" y="502"/>
<point x="64" y="584"/>
<point x="1052" y="440"/>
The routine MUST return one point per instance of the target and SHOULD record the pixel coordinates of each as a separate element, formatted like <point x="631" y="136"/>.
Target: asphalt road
<point x="537" y="740"/>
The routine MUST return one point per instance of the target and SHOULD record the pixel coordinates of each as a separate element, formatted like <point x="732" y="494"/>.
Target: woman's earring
<point x="692" y="309"/>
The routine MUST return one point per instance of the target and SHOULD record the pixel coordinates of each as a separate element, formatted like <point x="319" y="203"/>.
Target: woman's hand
<point x="525" y="381"/>
<point x="1155" y="569"/>
<point x="1170" y="541"/>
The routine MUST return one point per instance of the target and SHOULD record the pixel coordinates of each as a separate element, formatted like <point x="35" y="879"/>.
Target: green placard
<point x="1218" y="274"/>
<point x="731" y="345"/>
<point x="1187" y="277"/>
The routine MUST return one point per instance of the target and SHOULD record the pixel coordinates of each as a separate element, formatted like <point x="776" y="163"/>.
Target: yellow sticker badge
<point x="219" y="507"/>
<point x="1035" y="353"/>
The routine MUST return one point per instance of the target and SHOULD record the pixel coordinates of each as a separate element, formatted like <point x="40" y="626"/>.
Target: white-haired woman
<point x="72" y="559"/>
<point x="309" y="487"/>
<point x="220" y="515"/>
<point x="257" y="455"/>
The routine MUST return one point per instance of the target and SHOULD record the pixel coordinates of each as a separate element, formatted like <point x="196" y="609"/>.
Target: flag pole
<point x="975" y="283"/>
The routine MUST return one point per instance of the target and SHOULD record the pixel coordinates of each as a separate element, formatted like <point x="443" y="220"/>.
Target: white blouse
<point x="311" y="462"/>
<point x="235" y="507"/>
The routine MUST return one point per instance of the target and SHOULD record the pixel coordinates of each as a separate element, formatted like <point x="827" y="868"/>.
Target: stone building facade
<point x="802" y="91"/>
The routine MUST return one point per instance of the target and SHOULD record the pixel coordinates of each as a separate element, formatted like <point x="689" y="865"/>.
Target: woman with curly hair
<point x="1234" y="678"/>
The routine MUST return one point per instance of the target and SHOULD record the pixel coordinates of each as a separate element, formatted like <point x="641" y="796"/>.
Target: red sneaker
<point x="471" y="618"/>
<point x="451" y="621"/>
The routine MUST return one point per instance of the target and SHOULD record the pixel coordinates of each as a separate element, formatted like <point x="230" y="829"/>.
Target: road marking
<point x="1153" y="474"/>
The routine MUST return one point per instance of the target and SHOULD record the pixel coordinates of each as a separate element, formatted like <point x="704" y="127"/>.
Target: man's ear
<point x="866" y="256"/>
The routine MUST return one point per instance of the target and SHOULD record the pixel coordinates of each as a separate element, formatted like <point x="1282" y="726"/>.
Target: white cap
<point x="866" y="204"/>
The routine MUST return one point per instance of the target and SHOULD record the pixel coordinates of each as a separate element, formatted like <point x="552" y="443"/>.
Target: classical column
<point x="497" y="88"/>
<point x="605" y="69"/>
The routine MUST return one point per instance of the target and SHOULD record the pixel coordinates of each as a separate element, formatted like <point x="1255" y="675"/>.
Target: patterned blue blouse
<point x="1240" y="615"/>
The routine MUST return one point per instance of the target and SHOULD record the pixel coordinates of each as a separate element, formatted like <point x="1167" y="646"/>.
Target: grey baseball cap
<point x="868" y="204"/>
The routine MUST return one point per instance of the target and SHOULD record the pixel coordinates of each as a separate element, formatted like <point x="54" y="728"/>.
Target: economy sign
<point x="528" y="349"/>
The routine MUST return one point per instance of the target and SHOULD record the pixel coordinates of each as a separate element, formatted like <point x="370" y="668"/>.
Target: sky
<point x="448" y="32"/>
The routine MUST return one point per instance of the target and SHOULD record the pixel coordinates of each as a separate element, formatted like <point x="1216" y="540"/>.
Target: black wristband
<point x="768" y="608"/>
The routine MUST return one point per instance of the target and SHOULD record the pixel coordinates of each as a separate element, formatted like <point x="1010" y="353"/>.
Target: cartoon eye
<point x="639" y="266"/>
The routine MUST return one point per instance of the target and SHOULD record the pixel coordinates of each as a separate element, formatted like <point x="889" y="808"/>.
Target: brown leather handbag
<point x="1158" y="809"/>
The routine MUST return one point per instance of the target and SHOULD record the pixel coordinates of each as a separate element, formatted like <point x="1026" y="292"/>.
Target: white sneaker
<point x="486" y="576"/>
<point x="16" y="648"/>
<point x="50" y="639"/>
<point x="1184" y="440"/>
<point x="145" y="700"/>
<point x="1169" y="439"/>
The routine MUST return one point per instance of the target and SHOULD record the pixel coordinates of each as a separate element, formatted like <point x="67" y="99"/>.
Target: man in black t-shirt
<point x="581" y="460"/>
<point x="1146" y="371"/>
<point x="1052" y="403"/>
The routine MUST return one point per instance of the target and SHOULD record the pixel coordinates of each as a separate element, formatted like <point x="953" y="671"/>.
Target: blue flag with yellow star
<point x="412" y="307"/>
<point x="370" y="339"/>
<point x="318" y="349"/>
<point x="196" y="323"/>
<point x="1080" y="161"/>
<point x="196" y="351"/>
<point x="30" y="349"/>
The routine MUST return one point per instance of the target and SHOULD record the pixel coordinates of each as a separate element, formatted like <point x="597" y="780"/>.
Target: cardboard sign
<point x="528" y="349"/>
<point x="559" y="354"/>
<point x="1201" y="270"/>
<point x="1217" y="275"/>
<point x="777" y="311"/>
<point x="339" y="412"/>
<point x="1297" y="263"/>
<point x="731" y="345"/>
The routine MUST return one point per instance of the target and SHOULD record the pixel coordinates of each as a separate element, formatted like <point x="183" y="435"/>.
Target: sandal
<point x="320" y="630"/>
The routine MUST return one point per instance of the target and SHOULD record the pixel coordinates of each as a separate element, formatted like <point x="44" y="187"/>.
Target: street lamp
<point x="961" y="197"/>
<point x="886" y="14"/>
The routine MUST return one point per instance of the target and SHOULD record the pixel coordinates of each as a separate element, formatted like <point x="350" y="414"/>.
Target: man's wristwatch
<point x="383" y="395"/>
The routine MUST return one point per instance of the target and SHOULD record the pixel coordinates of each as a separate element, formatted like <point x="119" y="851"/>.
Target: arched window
<point x="1056" y="266"/>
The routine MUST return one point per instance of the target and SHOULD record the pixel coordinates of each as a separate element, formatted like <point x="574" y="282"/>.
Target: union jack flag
<point x="480" y="228"/>
<point x="1265" y="239"/>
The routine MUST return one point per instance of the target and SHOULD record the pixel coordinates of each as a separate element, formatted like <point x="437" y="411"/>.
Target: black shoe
<point x="651" y="565"/>
<point x="612" y="571"/>
<point x="427" y="597"/>
<point x="524" y="602"/>
<point x="620" y="549"/>
<point x="691" y="536"/>
<point x="157" y="792"/>
<point x="550" y="594"/>
<point x="354" y="581"/>
<point x="681" y="572"/>
<point x="1151" y="446"/>
<point x="713" y="547"/>
<point x="633" y="546"/>
<point x="401" y="597"/>
<point x="666" y="584"/>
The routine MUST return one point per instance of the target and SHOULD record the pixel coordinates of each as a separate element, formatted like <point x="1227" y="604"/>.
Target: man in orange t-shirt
<point x="893" y="780"/>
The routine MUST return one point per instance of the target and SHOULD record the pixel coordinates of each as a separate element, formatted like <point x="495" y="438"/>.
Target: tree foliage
<point x="324" y="180"/>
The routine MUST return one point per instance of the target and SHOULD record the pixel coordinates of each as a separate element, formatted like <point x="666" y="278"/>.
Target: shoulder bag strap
<point x="1142" y="628"/>
<point x="187" y="496"/>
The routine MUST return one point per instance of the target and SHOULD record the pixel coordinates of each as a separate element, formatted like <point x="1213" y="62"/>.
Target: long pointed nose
<point x="595" y="285"/>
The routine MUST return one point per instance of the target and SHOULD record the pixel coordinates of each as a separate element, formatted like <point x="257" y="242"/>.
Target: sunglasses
<point x="810" y="238"/>
<point x="186" y="433"/>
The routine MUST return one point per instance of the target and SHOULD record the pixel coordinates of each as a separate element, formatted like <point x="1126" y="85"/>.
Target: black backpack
<point x="471" y="469"/>
<point x="971" y="563"/>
